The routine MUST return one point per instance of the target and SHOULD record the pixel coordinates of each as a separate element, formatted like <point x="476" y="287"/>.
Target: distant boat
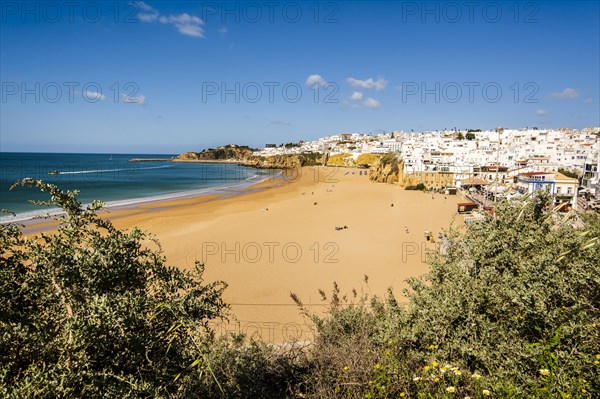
<point x="110" y="159"/>
<point x="54" y="172"/>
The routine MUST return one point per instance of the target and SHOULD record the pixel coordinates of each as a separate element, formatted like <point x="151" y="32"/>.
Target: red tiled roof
<point x="536" y="173"/>
<point x="474" y="181"/>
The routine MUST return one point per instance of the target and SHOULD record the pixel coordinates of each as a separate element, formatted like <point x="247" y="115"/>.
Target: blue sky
<point x="168" y="77"/>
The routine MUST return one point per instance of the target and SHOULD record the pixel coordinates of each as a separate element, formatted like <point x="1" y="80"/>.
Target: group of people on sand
<point x="360" y="173"/>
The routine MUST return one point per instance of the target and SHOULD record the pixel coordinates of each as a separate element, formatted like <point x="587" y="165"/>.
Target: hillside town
<point x="497" y="163"/>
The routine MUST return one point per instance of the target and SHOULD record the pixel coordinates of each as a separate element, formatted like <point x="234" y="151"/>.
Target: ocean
<point x="113" y="179"/>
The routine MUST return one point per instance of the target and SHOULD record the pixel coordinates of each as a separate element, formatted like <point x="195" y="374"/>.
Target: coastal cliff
<point x="228" y="152"/>
<point x="386" y="170"/>
<point x="242" y="155"/>
<point x="283" y="161"/>
<point x="346" y="160"/>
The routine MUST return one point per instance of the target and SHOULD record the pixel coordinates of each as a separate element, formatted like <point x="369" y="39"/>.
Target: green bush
<point x="419" y="187"/>
<point x="510" y="309"/>
<point x="90" y="311"/>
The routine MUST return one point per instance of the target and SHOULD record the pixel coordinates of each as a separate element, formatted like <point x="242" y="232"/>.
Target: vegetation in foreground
<point x="510" y="309"/>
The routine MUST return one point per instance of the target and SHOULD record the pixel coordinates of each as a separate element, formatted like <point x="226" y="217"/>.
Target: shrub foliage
<point x="510" y="309"/>
<point x="91" y="311"/>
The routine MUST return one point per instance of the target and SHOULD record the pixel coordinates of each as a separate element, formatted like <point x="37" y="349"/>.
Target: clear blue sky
<point x="65" y="69"/>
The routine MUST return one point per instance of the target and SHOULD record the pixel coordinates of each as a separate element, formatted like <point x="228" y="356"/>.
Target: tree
<point x="92" y="311"/>
<point x="568" y="173"/>
<point x="470" y="136"/>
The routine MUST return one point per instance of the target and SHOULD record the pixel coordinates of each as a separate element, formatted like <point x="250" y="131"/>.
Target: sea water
<point x="112" y="178"/>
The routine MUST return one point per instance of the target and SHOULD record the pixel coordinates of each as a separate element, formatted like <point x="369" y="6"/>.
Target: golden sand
<point x="266" y="244"/>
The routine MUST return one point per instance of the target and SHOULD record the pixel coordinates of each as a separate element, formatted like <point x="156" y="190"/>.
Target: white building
<point x="554" y="183"/>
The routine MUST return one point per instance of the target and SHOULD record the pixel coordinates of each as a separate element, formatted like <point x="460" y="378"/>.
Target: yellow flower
<point x="433" y="347"/>
<point x="450" y="389"/>
<point x="598" y="357"/>
<point x="457" y="372"/>
<point x="388" y="353"/>
<point x="476" y="376"/>
<point x="485" y="392"/>
<point x="427" y="368"/>
<point x="597" y="362"/>
<point x="402" y="394"/>
<point x="545" y="372"/>
<point x="436" y="379"/>
<point x="434" y="363"/>
<point x="346" y="368"/>
<point x="377" y="366"/>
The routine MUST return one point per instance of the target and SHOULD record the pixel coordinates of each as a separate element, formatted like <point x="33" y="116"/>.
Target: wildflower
<point x="467" y="397"/>
<point x="402" y="394"/>
<point x="597" y="362"/>
<point x="450" y="389"/>
<point x="388" y="353"/>
<point x="485" y="392"/>
<point x="457" y="372"/>
<point x="370" y="382"/>
<point x="434" y="363"/>
<point x="436" y="379"/>
<point x="598" y="357"/>
<point x="433" y="347"/>
<point x="545" y="372"/>
<point x="476" y="376"/>
<point x="346" y="368"/>
<point x="416" y="379"/>
<point x="377" y="366"/>
<point x="427" y="368"/>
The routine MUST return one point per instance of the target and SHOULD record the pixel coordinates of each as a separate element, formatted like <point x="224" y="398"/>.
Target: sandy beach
<point x="281" y="237"/>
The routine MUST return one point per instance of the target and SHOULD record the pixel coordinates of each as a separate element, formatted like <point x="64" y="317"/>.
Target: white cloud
<point x="140" y="100"/>
<point x="566" y="93"/>
<point x="142" y="6"/>
<point x="371" y="103"/>
<point x="318" y="79"/>
<point x="146" y="13"/>
<point x="93" y="96"/>
<point x="378" y="84"/>
<point x="541" y="112"/>
<point x="588" y="101"/>
<point x="186" y="24"/>
<point x="357" y="95"/>
<point x="285" y="123"/>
